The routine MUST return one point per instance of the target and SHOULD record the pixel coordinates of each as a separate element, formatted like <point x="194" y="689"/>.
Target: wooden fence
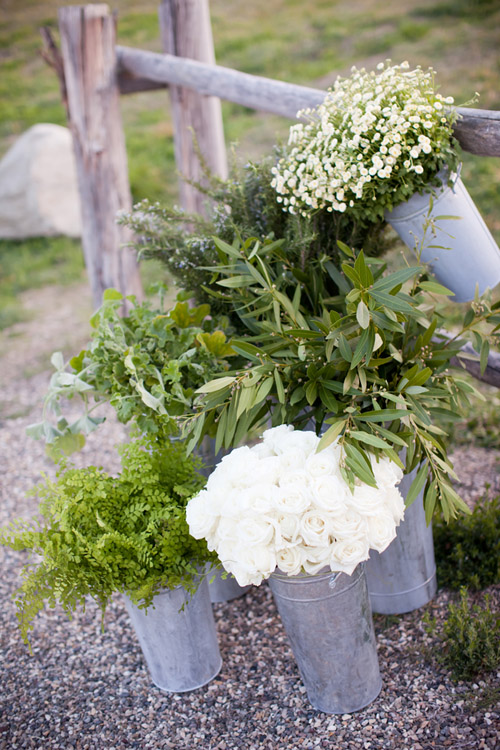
<point x="94" y="72"/>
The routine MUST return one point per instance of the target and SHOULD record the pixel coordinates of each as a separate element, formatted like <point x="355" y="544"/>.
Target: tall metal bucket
<point x="403" y="577"/>
<point x="224" y="589"/>
<point x="328" y="620"/>
<point x="179" y="645"/>
<point x="463" y="252"/>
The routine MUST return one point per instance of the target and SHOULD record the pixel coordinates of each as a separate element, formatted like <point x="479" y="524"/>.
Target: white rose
<point x="236" y="469"/>
<point x="252" y="530"/>
<point x="200" y="516"/>
<point x="258" y="561"/>
<point x="217" y="482"/>
<point x="347" y="553"/>
<point x="395" y="504"/>
<point x="221" y="481"/>
<point x="315" y="528"/>
<point x="316" y="559"/>
<point x="226" y="529"/>
<point x="381" y="531"/>
<point x="369" y="501"/>
<point x="262" y="450"/>
<point x="387" y="473"/>
<point x="322" y="464"/>
<point x="238" y="456"/>
<point x="304" y="441"/>
<point x="349" y="525"/>
<point x="290" y="560"/>
<point x="292" y="499"/>
<point x="268" y="470"/>
<point x="329" y="493"/>
<point x="289" y="529"/>
<point x="227" y="552"/>
<point x="243" y="576"/>
<point x="295" y="458"/>
<point x="260" y="498"/>
<point x="293" y="478"/>
<point x="275" y="435"/>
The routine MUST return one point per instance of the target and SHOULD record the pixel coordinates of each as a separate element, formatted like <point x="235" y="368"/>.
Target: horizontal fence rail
<point x="491" y="375"/>
<point x="477" y="130"/>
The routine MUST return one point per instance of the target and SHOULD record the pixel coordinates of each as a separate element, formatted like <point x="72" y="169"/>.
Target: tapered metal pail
<point x="180" y="646"/>
<point x="462" y="252"/>
<point x="224" y="589"/>
<point x="328" y="620"/>
<point x="403" y="577"/>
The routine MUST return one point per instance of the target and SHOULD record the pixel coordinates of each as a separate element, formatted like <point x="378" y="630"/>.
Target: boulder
<point x="38" y="185"/>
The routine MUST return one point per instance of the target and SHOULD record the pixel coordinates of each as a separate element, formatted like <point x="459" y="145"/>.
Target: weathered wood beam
<point x="130" y="84"/>
<point x="491" y="374"/>
<point x="478" y="130"/>
<point x="251" y="91"/>
<point x="186" y="32"/>
<point x="88" y="45"/>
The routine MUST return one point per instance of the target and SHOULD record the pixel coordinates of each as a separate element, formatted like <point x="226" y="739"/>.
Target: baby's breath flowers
<point x="377" y="138"/>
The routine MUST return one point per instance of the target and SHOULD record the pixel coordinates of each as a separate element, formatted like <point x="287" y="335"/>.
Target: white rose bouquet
<point x="281" y="504"/>
<point x="377" y="138"/>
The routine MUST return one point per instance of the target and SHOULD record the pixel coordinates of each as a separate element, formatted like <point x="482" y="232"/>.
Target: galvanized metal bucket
<point x="224" y="589"/>
<point x="463" y="252"/>
<point x="328" y="620"/>
<point x="403" y="577"/>
<point x="179" y="645"/>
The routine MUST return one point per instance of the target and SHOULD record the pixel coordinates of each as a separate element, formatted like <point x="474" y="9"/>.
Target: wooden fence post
<point x="186" y="32"/>
<point x="89" y="56"/>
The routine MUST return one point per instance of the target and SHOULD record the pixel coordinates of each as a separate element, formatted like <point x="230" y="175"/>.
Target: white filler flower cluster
<point x="373" y="132"/>
<point x="281" y="504"/>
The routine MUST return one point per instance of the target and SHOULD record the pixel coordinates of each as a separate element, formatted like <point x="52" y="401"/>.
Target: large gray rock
<point x="38" y="187"/>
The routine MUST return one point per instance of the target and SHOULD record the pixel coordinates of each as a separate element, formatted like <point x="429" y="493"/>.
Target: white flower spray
<point x="259" y="513"/>
<point x="377" y="138"/>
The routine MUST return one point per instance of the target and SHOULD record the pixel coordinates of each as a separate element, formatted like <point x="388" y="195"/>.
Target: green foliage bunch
<point x="243" y="206"/>
<point x="468" y="548"/>
<point x="147" y="364"/>
<point x="470" y="638"/>
<point x="101" y="534"/>
<point x="371" y="362"/>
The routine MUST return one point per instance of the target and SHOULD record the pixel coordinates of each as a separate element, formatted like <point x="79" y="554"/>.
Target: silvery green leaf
<point x="85" y="424"/>
<point x="331" y="434"/>
<point x="36" y="430"/>
<point x="216" y="385"/>
<point x="65" y="379"/>
<point x="150" y="400"/>
<point x="417" y="485"/>
<point x="64" y="445"/>
<point x="363" y="315"/>
<point x="129" y="364"/>
<point x="57" y="360"/>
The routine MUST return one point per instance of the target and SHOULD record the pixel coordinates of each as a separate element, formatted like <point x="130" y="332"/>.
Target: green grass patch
<point x="467" y="548"/>
<point x="472" y="10"/>
<point x="34" y="263"/>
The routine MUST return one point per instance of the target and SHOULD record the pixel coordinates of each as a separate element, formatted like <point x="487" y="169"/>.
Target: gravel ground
<point x="84" y="688"/>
